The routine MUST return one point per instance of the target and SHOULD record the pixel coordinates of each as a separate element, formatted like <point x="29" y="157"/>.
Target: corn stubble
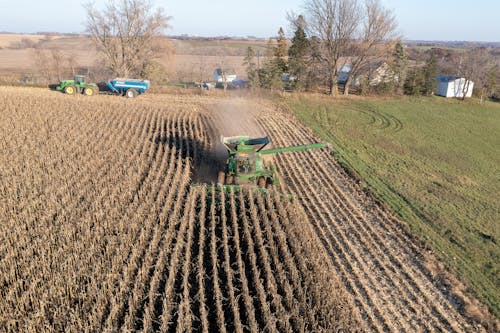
<point x="102" y="230"/>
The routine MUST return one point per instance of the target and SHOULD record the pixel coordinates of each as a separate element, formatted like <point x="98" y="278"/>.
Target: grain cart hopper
<point x="78" y="86"/>
<point x="128" y="87"/>
<point x="246" y="165"/>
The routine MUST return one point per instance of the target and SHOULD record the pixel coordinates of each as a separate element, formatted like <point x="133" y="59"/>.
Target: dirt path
<point x="380" y="264"/>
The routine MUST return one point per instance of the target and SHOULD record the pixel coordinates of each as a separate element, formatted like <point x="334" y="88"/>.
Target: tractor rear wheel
<point x="70" y="90"/>
<point x="131" y="93"/>
<point x="89" y="91"/>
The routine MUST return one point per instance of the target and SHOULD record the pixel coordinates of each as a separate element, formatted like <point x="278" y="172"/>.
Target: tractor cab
<point x="79" y="79"/>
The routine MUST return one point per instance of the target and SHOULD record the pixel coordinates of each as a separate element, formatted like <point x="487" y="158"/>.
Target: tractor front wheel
<point x="89" y="91"/>
<point x="70" y="90"/>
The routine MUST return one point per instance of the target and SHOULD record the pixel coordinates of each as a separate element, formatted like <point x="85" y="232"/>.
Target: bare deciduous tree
<point x="349" y="31"/>
<point x="474" y="65"/>
<point x="53" y="65"/>
<point x="334" y="23"/>
<point x="126" y="32"/>
<point x="378" y="25"/>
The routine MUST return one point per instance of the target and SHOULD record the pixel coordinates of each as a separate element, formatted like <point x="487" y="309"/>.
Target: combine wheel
<point x="229" y="179"/>
<point x="70" y="90"/>
<point x="89" y="91"/>
<point x="261" y="182"/>
<point x="131" y="93"/>
<point x="269" y="183"/>
<point x="220" y="178"/>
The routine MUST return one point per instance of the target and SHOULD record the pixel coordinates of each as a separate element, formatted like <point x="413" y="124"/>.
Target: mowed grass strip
<point x="434" y="162"/>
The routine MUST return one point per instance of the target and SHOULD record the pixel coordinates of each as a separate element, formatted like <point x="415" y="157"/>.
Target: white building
<point x="454" y="86"/>
<point x="374" y="73"/>
<point x="226" y="75"/>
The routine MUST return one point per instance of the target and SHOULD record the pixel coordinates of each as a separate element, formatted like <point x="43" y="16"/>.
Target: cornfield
<point x="110" y="223"/>
<point x="103" y="229"/>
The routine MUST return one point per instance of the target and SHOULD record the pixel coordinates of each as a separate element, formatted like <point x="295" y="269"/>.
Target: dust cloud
<point x="229" y="117"/>
<point x="233" y="117"/>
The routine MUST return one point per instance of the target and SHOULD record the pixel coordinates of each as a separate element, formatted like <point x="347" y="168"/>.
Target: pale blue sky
<point x="418" y="19"/>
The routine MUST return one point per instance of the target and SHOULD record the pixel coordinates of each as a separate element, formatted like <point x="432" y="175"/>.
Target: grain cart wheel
<point x="89" y="91"/>
<point x="131" y="93"/>
<point x="70" y="90"/>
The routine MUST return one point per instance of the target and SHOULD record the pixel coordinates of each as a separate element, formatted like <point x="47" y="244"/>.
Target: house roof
<point x="447" y="78"/>
<point x="227" y="71"/>
<point x="370" y="65"/>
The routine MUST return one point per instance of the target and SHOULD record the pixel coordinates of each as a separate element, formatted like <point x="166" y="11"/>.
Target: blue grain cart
<point x="128" y="87"/>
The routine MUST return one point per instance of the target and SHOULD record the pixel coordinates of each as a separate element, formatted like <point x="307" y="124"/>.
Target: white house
<point x="374" y="73"/>
<point x="454" y="86"/>
<point x="224" y="75"/>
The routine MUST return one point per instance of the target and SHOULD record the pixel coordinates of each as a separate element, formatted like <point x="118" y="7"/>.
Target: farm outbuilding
<point x="454" y="86"/>
<point x="224" y="75"/>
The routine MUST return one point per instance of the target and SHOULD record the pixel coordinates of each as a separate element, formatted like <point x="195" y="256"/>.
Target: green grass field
<point x="435" y="162"/>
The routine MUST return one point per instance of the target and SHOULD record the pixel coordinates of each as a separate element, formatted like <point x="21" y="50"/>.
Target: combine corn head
<point x="246" y="164"/>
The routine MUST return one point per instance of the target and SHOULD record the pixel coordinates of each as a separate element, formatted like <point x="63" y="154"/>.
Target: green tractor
<point x="246" y="164"/>
<point x="78" y="86"/>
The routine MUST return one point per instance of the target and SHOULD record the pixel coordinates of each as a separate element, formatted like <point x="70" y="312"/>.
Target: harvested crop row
<point x="378" y="261"/>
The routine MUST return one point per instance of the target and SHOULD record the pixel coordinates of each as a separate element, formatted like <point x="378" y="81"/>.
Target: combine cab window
<point x="245" y="166"/>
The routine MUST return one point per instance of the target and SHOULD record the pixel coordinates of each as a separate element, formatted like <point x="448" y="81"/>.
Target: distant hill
<point x="457" y="44"/>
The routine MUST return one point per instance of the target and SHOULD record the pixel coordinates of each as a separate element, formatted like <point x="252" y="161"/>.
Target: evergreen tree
<point x="266" y="71"/>
<point x="430" y="72"/>
<point x="270" y="74"/>
<point x="414" y="83"/>
<point x="399" y="64"/>
<point x="280" y="52"/>
<point x="297" y="54"/>
<point x="252" y="74"/>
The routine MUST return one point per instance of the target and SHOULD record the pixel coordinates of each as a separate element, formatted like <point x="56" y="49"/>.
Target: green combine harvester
<point x="246" y="165"/>
<point x="78" y="86"/>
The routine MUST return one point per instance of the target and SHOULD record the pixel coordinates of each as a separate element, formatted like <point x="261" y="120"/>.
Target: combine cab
<point x="246" y="164"/>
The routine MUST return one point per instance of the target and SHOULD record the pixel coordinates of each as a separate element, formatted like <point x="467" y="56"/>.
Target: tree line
<point x="479" y="64"/>
<point x="344" y="44"/>
<point x="333" y="38"/>
<point x="340" y="45"/>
